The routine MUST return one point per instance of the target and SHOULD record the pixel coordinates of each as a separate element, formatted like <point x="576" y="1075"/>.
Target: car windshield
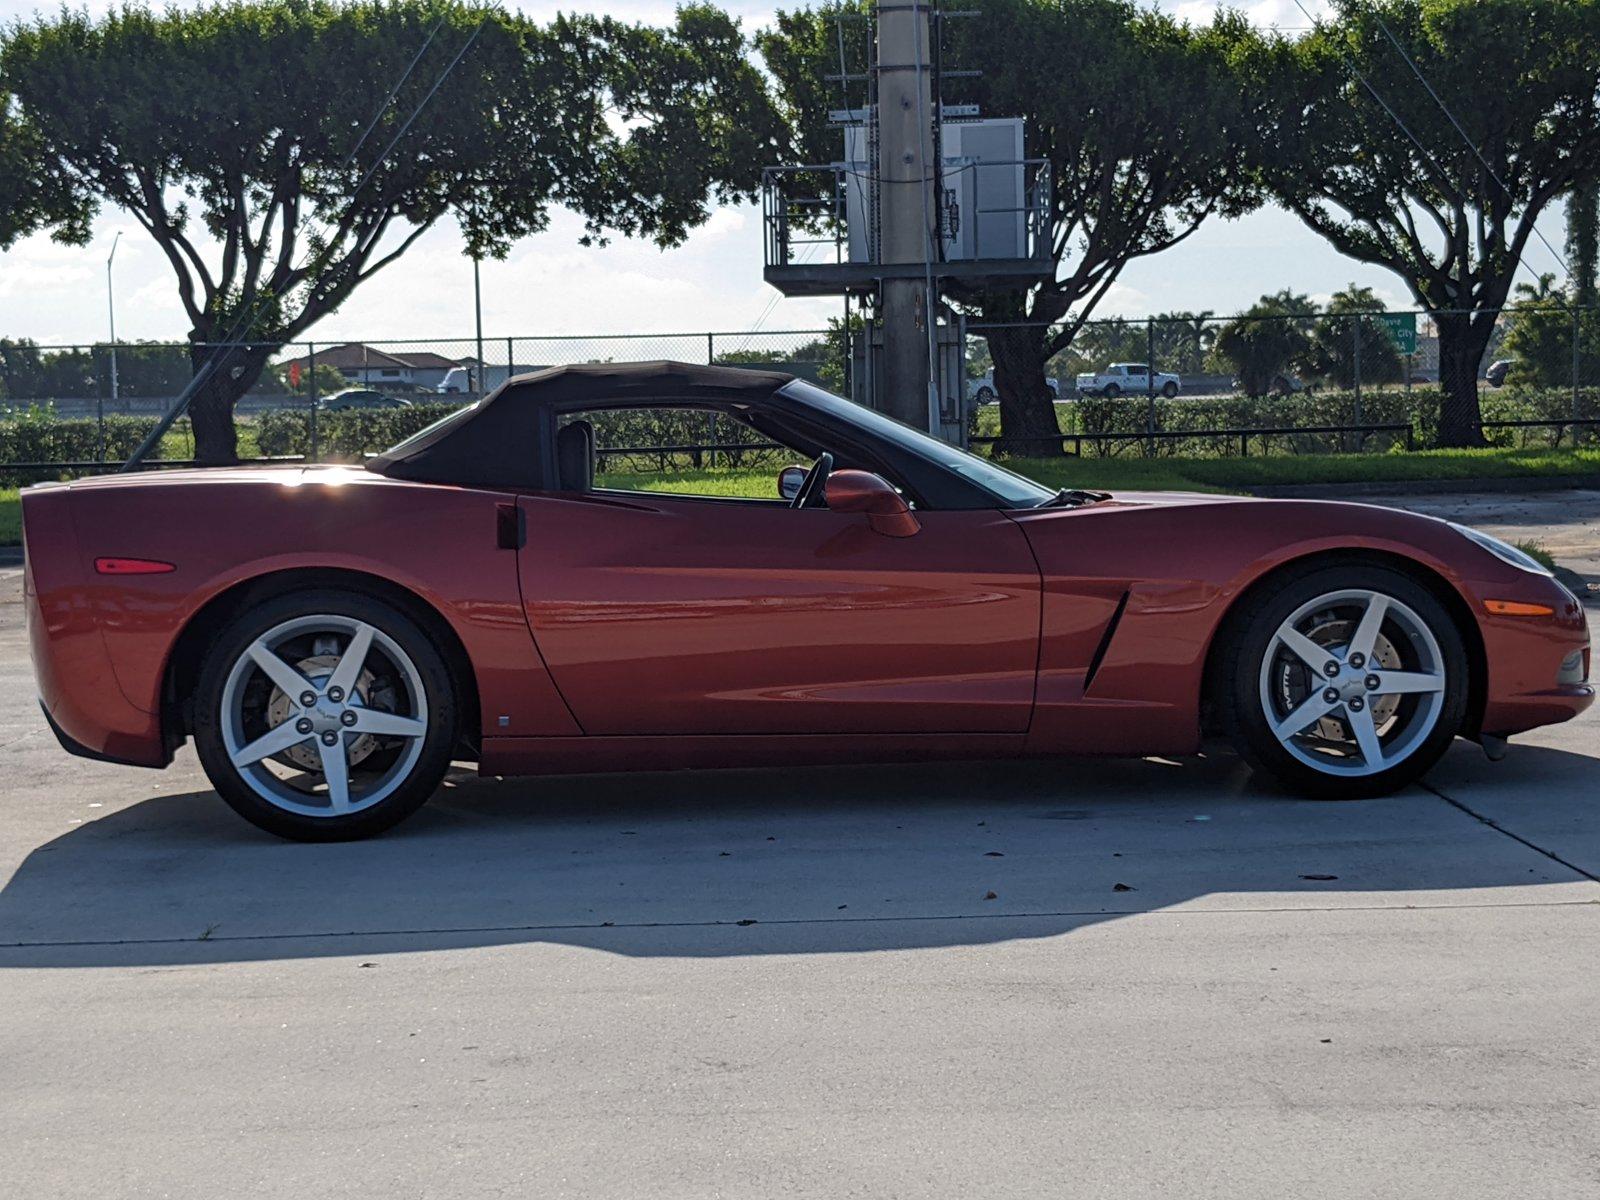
<point x="1013" y="489"/>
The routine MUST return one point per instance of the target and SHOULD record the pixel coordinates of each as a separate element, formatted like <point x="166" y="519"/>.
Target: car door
<point x="661" y="614"/>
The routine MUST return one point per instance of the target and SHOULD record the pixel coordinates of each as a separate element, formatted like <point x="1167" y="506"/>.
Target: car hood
<point x="1256" y="529"/>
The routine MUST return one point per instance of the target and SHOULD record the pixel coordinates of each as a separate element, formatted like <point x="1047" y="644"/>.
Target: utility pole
<point x="905" y="172"/>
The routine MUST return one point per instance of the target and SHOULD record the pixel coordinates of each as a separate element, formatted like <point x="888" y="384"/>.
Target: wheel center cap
<point x="324" y="715"/>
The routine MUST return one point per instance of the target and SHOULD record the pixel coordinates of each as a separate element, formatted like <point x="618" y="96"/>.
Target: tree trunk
<point x="216" y="439"/>
<point x="1461" y="350"/>
<point x="1028" y="425"/>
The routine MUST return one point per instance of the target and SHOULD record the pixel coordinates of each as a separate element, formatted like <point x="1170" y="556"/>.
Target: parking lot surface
<point x="1124" y="979"/>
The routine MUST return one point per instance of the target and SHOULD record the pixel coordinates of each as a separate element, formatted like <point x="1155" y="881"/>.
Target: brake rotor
<point x="280" y="708"/>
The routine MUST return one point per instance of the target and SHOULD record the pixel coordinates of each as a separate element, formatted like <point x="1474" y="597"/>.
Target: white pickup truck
<point x="981" y="389"/>
<point x="1130" y="379"/>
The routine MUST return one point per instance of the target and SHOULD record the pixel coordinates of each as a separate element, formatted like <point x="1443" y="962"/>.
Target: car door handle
<point x="510" y="527"/>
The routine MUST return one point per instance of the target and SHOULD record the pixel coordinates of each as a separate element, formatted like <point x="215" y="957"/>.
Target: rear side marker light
<point x="132" y="566"/>
<point x="1516" y="608"/>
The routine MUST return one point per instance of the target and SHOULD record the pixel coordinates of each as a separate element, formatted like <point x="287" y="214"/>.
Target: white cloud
<point x="33" y="276"/>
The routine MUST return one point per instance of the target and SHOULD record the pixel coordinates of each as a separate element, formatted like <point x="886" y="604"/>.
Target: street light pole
<point x="477" y="305"/>
<point x="111" y="314"/>
<point x="111" y="310"/>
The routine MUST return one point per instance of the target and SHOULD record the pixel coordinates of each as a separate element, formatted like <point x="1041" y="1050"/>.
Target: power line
<point x="1471" y="145"/>
<point x="393" y="92"/>
<point x="1416" y="141"/>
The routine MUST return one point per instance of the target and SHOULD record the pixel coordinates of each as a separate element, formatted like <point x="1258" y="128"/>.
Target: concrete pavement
<point x="795" y="983"/>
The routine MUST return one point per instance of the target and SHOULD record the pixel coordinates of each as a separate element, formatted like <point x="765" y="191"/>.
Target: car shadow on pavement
<point x="822" y="860"/>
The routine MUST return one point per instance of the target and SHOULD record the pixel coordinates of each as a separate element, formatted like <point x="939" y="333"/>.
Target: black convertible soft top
<point x="495" y="442"/>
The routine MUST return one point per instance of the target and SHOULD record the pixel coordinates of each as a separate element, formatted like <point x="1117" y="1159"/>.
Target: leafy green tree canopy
<point x="1389" y="179"/>
<point x="1551" y="341"/>
<point x="1268" y="341"/>
<point x="1334" y="354"/>
<point x="33" y="192"/>
<point x="246" y="139"/>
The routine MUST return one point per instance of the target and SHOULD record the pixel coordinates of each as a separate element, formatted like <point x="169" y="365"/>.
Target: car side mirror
<point x="790" y="481"/>
<point x="886" y="510"/>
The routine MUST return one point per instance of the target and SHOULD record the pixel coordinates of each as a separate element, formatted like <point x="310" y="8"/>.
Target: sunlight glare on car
<point x="327" y="476"/>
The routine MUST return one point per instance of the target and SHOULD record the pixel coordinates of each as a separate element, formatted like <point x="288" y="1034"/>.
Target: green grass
<point x="1536" y="551"/>
<point x="757" y="482"/>
<point x="1186" y="474"/>
<point x="10" y="517"/>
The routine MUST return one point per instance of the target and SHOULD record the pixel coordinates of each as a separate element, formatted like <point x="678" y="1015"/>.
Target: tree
<point x="824" y="358"/>
<point x="1268" y="341"/>
<point x="1149" y="127"/>
<point x="1333" y="354"/>
<point x="1099" y="343"/>
<point x="32" y="192"/>
<point x="1540" y="331"/>
<point x="247" y="139"/>
<point x="1182" y="341"/>
<point x="1583" y="242"/>
<point x="29" y="372"/>
<point x="1389" y="179"/>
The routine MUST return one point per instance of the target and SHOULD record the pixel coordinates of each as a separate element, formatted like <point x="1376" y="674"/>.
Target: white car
<point x="982" y="390"/>
<point x="1130" y="378"/>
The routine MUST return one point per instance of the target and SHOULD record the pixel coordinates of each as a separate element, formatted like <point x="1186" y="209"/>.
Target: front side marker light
<point x="1517" y="608"/>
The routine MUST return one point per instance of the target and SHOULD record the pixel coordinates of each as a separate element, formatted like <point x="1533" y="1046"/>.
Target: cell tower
<point x="924" y="193"/>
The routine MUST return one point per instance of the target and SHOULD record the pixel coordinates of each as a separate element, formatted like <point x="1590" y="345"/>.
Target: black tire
<point x="412" y="789"/>
<point x="985" y="395"/>
<point x="1111" y="391"/>
<point x="1252" y="630"/>
<point x="1169" y="389"/>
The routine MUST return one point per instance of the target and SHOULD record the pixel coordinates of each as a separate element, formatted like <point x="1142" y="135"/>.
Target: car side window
<point x="671" y="449"/>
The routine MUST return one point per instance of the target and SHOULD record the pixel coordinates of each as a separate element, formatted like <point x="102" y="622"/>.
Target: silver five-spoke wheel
<point x="1353" y="682"/>
<point x="1344" y="680"/>
<point x="324" y="715"/>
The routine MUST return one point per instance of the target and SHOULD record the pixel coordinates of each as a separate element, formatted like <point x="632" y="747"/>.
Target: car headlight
<point x="1504" y="551"/>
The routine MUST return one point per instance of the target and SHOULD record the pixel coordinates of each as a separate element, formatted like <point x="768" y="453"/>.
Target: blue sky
<point x="551" y="285"/>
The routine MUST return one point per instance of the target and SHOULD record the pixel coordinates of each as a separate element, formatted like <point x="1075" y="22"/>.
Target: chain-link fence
<point x="1192" y="384"/>
<point x="67" y="409"/>
<point x="1287" y="382"/>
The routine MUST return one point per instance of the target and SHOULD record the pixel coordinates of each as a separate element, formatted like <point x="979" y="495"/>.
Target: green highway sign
<point x="1402" y="329"/>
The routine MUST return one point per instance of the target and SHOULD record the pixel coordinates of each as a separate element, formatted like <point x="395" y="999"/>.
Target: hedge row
<point x="343" y="435"/>
<point x="35" y="437"/>
<point x="1420" y="407"/>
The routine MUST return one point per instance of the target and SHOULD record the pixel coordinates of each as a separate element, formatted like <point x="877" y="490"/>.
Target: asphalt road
<point x="797" y="983"/>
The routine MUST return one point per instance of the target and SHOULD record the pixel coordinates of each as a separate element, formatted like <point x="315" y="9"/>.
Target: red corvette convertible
<point x="489" y="590"/>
